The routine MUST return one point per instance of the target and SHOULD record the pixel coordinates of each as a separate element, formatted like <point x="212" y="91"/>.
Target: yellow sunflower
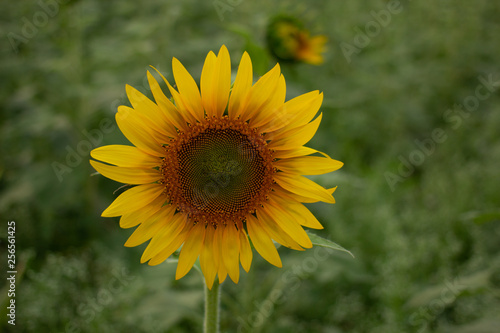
<point x="289" y="41"/>
<point x="215" y="167"/>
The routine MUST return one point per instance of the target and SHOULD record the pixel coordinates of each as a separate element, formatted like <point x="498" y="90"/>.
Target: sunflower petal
<point x="168" y="109"/>
<point x="303" y="186"/>
<point x="241" y="87"/>
<point x="299" y="151"/>
<point x="276" y="232"/>
<point x="125" y="156"/>
<point x="216" y="82"/>
<point x="145" y="231"/>
<point x="134" y="176"/>
<point x="188" y="90"/>
<point x="133" y="199"/>
<point x="207" y="257"/>
<point x="287" y="223"/>
<point x="295" y="137"/>
<point x="261" y="92"/>
<point x="245" y="250"/>
<point x="179" y="115"/>
<point x="134" y="218"/>
<point x="269" y="110"/>
<point x="190" y="250"/>
<point x="137" y="130"/>
<point x="173" y="226"/>
<point x="300" y="212"/>
<point x="308" y="165"/>
<point x="218" y="254"/>
<point x="303" y="199"/>
<point x="150" y="110"/>
<point x="206" y="84"/>
<point x="231" y="249"/>
<point x="262" y="242"/>
<point x="170" y="248"/>
<point x="296" y="112"/>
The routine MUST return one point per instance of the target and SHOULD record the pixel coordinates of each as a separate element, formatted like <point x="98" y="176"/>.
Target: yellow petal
<point x="276" y="232"/>
<point x="133" y="199"/>
<point x="287" y="223"/>
<point x="261" y="92"/>
<point x="134" y="127"/>
<point x="296" y="137"/>
<point x="150" y="110"/>
<point x="305" y="111"/>
<point x="296" y="112"/>
<point x="168" y="109"/>
<point x="224" y="80"/>
<point x="303" y="186"/>
<point x="134" y="176"/>
<point x="308" y="165"/>
<point x="241" y="87"/>
<point x="174" y="224"/>
<point x="231" y="251"/>
<point x="172" y="247"/>
<point x="299" y="151"/>
<point x="268" y="111"/>
<point x="190" y="250"/>
<point x="221" y="268"/>
<point x="207" y="257"/>
<point x="206" y="84"/>
<point x="145" y="231"/>
<point x="301" y="214"/>
<point x="161" y="134"/>
<point x="125" y="156"/>
<point x="245" y="250"/>
<point x="262" y="242"/>
<point x="216" y="82"/>
<point x="301" y="198"/>
<point x="179" y="117"/>
<point x="134" y="218"/>
<point x="188" y="90"/>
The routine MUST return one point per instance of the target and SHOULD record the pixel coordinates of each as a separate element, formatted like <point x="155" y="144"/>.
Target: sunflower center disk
<point x="222" y="171"/>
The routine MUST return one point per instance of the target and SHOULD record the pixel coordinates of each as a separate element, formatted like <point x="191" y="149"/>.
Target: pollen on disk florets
<point x="218" y="171"/>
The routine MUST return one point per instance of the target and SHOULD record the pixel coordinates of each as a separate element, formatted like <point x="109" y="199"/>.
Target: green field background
<point x="412" y="107"/>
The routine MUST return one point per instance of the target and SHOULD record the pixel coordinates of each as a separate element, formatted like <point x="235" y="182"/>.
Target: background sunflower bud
<point x="289" y="41"/>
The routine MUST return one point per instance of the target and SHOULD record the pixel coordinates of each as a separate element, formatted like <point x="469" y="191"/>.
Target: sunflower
<point x="214" y="167"/>
<point x="289" y="41"/>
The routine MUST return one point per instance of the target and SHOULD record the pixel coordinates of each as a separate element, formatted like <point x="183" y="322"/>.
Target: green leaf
<point x="481" y="217"/>
<point x="320" y="241"/>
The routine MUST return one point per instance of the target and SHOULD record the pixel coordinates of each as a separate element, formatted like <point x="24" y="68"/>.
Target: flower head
<point x="215" y="167"/>
<point x="289" y="41"/>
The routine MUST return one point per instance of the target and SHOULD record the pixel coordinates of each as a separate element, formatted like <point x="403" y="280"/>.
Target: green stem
<point x="212" y="302"/>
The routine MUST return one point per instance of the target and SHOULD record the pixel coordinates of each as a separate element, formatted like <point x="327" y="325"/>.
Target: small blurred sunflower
<point x="289" y="41"/>
<point x="216" y="167"/>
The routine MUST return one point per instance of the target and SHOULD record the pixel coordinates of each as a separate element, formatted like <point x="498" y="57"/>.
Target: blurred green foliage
<point x="426" y="247"/>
